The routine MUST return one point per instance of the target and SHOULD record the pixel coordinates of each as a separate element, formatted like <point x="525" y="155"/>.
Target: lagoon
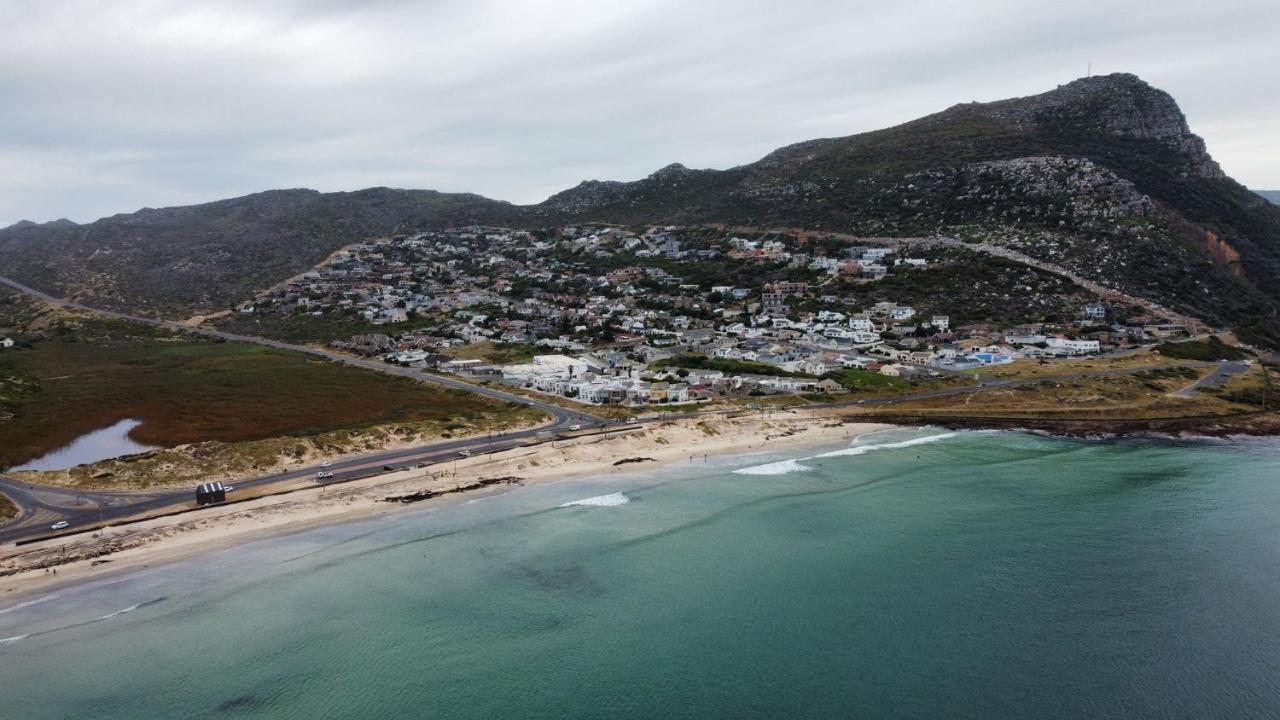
<point x="103" y="444"/>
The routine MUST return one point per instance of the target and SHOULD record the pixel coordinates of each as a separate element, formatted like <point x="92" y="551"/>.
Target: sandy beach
<point x="39" y="567"/>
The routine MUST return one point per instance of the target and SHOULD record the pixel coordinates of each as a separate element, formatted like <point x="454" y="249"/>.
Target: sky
<point x="108" y="107"/>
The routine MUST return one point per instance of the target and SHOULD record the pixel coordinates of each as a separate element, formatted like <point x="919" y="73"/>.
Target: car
<point x="387" y="468"/>
<point x="464" y="453"/>
<point x="228" y="488"/>
<point x="322" y="475"/>
<point x="60" y="525"/>
<point x="633" y="419"/>
<point x="326" y="464"/>
<point x="575" y="427"/>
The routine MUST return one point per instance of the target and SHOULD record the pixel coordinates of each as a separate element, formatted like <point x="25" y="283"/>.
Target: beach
<point x="118" y="550"/>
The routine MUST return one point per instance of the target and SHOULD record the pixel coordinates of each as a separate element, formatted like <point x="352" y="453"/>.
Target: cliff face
<point x="1121" y="105"/>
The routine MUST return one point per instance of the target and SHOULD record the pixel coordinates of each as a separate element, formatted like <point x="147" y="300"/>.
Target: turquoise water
<point x="970" y="575"/>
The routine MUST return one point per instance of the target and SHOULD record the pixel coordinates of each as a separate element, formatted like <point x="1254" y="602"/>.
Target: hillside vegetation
<point x="83" y="374"/>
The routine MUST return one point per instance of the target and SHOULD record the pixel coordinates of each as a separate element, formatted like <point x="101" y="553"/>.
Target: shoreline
<point x="1261" y="423"/>
<point x="121" y="550"/>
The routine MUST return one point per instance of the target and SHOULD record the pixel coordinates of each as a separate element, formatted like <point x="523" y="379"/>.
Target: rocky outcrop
<point x="1120" y="104"/>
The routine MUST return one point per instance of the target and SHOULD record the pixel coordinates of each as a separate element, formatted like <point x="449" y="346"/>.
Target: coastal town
<point x="609" y="315"/>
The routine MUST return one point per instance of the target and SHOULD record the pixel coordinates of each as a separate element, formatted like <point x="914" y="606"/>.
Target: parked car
<point x="60" y="525"/>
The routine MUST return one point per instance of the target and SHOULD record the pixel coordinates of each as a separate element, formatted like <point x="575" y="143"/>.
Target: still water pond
<point x="104" y="444"/>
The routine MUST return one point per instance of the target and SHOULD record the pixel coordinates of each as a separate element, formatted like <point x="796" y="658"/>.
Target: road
<point x="41" y="506"/>
<point x="1224" y="372"/>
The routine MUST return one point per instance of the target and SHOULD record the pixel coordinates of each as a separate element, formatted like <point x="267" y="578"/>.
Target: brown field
<point x="188" y="391"/>
<point x="7" y="508"/>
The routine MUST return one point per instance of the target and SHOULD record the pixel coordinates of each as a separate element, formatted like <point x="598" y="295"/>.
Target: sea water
<point x="916" y="573"/>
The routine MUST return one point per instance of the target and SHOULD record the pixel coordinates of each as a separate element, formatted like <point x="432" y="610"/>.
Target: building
<point x="6" y="343"/>
<point x="210" y="493"/>
<point x="1095" y="311"/>
<point x="1074" y="347"/>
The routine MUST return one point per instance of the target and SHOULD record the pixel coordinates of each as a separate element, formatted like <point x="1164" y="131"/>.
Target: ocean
<point x="917" y="573"/>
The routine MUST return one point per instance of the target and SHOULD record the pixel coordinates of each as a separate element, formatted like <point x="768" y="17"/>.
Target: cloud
<point x="110" y="106"/>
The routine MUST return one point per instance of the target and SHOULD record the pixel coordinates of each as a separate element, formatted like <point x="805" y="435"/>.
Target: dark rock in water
<point x="242" y="702"/>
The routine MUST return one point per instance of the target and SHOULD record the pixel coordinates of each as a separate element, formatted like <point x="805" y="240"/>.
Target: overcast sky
<point x="107" y="107"/>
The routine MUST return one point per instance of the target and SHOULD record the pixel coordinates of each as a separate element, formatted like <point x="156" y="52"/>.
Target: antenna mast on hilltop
<point x="1090" y="71"/>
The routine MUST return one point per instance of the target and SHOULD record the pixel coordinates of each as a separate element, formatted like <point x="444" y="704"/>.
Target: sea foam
<point x="863" y="449"/>
<point x="610" y="500"/>
<point x="782" y="467"/>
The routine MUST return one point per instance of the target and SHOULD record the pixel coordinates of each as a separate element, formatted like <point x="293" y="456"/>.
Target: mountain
<point x="209" y="256"/>
<point x="1271" y="195"/>
<point x="1101" y="175"/>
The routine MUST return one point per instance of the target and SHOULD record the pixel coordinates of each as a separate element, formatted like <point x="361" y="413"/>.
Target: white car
<point x="575" y="427"/>
<point x="322" y="475"/>
<point x="60" y="525"/>
<point x="464" y="453"/>
<point x="326" y="464"/>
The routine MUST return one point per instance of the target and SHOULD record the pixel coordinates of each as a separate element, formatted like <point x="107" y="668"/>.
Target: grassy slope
<point x="7" y="509"/>
<point x="187" y="391"/>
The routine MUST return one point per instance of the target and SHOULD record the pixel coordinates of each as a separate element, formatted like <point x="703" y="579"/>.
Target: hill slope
<point x="1271" y="195"/>
<point x="202" y="257"/>
<point x="1101" y="175"/>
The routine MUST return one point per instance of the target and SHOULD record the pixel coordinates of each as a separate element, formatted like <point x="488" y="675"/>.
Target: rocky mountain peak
<point x="1120" y="104"/>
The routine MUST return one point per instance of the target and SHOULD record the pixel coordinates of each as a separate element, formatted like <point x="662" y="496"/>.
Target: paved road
<point x="41" y="506"/>
<point x="1224" y="372"/>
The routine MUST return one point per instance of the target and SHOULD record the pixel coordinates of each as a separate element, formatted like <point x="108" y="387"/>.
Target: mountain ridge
<point x="1102" y="174"/>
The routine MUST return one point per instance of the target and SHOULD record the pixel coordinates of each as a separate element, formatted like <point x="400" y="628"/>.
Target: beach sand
<point x="121" y="549"/>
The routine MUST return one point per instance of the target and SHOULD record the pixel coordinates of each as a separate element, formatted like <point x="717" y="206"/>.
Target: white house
<point x="6" y="343"/>
<point x="1075" y="347"/>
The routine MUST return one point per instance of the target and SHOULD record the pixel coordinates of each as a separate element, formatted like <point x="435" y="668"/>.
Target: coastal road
<point x="1224" y="372"/>
<point x="41" y="506"/>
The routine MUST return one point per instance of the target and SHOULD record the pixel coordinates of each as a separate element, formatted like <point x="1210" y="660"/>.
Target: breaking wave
<point x="863" y="449"/>
<point x="82" y="623"/>
<point x="782" y="467"/>
<point x="610" y="500"/>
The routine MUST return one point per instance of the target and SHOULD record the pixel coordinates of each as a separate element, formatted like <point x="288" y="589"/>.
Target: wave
<point x="782" y="467"/>
<point x="610" y="500"/>
<point x="82" y="623"/>
<point x="863" y="449"/>
<point x="29" y="603"/>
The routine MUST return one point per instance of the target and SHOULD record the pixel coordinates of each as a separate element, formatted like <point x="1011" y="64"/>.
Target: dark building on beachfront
<point x="210" y="493"/>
